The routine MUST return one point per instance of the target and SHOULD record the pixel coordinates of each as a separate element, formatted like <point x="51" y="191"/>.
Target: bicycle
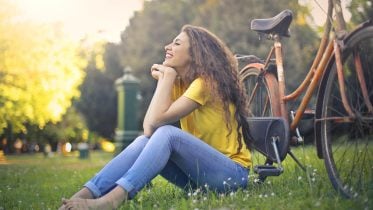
<point x="342" y="71"/>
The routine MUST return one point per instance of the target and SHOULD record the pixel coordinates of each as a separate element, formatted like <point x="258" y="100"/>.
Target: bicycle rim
<point x="347" y="142"/>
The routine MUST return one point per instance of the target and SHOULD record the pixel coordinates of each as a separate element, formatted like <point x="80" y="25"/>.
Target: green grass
<point x="36" y="182"/>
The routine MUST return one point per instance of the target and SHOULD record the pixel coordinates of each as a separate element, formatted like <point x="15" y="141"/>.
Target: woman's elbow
<point x="148" y="129"/>
<point x="147" y="132"/>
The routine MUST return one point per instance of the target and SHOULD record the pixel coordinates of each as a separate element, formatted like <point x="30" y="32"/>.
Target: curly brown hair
<point x="216" y="65"/>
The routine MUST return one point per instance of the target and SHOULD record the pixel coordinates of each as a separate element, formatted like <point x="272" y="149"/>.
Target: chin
<point x="166" y="63"/>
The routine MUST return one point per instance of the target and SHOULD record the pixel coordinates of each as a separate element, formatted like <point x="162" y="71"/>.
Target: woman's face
<point x="177" y="53"/>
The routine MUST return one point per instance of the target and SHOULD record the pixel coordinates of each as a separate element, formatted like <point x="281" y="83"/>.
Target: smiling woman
<point x="198" y="85"/>
<point x="80" y="18"/>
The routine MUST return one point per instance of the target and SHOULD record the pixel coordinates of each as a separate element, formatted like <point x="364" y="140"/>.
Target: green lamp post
<point x="128" y="99"/>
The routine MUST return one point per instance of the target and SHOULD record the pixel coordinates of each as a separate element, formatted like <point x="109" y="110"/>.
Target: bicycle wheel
<point x="263" y="102"/>
<point x="261" y="90"/>
<point x="348" y="141"/>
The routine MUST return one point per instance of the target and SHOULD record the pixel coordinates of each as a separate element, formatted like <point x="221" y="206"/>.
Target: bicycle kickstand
<point x="297" y="161"/>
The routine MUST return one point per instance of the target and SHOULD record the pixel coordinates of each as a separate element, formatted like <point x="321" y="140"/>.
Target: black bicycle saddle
<point x="278" y="24"/>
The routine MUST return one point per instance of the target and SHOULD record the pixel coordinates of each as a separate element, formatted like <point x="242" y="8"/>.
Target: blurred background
<point x="60" y="59"/>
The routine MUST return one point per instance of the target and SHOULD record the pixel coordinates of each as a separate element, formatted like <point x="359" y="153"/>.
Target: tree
<point x="361" y="10"/>
<point x="40" y="71"/>
<point x="98" y="101"/>
<point x="71" y="128"/>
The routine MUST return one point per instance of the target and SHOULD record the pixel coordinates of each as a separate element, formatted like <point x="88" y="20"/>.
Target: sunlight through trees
<point x="40" y="71"/>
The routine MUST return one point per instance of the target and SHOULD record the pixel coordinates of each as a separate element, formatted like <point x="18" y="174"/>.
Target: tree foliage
<point x="70" y="129"/>
<point x="361" y="10"/>
<point x="40" y="71"/>
<point x="98" y="101"/>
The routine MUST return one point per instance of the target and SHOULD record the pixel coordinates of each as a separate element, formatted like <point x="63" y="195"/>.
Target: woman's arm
<point x="162" y="110"/>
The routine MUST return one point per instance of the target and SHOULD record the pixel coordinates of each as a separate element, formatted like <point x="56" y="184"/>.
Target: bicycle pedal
<point x="268" y="170"/>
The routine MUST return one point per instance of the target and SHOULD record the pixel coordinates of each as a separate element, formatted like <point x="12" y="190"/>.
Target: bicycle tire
<point x="265" y="99"/>
<point x="347" y="145"/>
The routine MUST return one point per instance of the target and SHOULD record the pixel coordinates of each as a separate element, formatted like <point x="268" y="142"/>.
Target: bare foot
<point x="111" y="200"/>
<point x="83" y="193"/>
<point x="62" y="207"/>
<point x="87" y="204"/>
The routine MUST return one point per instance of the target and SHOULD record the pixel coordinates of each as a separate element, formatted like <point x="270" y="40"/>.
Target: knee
<point x="141" y="138"/>
<point x="166" y="130"/>
<point x="165" y="134"/>
<point x="138" y="142"/>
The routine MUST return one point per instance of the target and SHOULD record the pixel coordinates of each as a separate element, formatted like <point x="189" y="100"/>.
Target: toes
<point x="64" y="200"/>
<point x="62" y="207"/>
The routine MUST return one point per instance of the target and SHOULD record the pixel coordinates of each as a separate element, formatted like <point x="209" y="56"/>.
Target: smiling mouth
<point x="168" y="55"/>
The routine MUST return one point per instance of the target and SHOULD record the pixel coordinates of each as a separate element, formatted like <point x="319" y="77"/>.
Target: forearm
<point x="159" y="105"/>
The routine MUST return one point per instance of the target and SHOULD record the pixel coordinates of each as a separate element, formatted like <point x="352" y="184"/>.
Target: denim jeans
<point x="178" y="156"/>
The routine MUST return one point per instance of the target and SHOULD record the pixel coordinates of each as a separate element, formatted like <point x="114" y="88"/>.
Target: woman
<point x="198" y="85"/>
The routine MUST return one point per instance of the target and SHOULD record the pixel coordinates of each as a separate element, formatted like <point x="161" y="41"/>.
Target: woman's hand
<point x="160" y="71"/>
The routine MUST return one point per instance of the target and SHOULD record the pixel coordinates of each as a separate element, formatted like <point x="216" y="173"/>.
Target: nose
<point x="167" y="47"/>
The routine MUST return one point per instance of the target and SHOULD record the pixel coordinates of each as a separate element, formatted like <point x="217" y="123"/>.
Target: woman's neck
<point x="181" y="73"/>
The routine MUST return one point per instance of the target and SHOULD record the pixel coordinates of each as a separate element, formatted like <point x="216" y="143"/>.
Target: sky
<point x="319" y="9"/>
<point x="79" y="18"/>
<point x="105" y="18"/>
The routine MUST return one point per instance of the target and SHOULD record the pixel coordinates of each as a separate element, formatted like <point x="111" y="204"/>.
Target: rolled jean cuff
<point x="93" y="188"/>
<point x="126" y="185"/>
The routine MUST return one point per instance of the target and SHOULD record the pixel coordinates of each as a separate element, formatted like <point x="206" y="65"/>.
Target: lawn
<point x="36" y="182"/>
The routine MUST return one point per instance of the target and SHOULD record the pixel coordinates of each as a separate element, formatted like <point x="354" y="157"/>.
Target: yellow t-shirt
<point x="208" y="122"/>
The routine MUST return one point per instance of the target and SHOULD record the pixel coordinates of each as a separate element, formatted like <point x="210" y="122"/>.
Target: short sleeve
<point x="197" y="92"/>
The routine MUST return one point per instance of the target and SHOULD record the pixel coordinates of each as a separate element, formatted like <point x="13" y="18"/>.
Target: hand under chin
<point x="166" y="63"/>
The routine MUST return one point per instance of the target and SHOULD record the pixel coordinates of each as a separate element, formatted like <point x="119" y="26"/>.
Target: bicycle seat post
<point x="280" y="75"/>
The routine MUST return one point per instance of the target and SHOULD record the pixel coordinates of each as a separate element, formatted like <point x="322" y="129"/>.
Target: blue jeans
<point x="178" y="156"/>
